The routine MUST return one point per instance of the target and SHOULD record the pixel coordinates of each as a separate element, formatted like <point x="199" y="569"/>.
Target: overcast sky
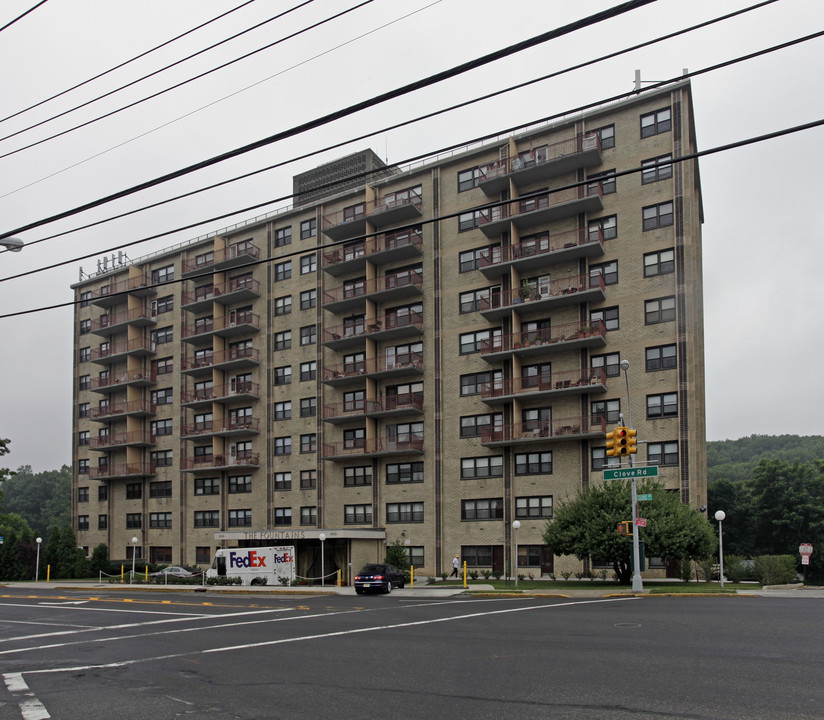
<point x="762" y="238"/>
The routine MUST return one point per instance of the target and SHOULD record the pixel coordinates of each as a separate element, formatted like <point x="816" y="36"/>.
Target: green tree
<point x="396" y="555"/>
<point x="586" y="526"/>
<point x="100" y="559"/>
<point x="735" y="500"/>
<point x="44" y="498"/>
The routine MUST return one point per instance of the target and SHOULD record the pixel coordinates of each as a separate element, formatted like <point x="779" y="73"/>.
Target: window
<point x="354" y="476"/>
<point x="534" y="463"/>
<point x="309" y="515"/>
<point x="160" y="520"/>
<point x="606" y="135"/>
<point x="283" y="305"/>
<point x="207" y="486"/>
<point x="283" y="236"/>
<point x="408" y="472"/>
<point x="308" y="264"/>
<point x="82" y="494"/>
<point x="659" y="263"/>
<point x="164" y="366"/>
<point x="84" y="382"/>
<point x="308" y="299"/>
<point x="357" y="514"/>
<point x="659" y="310"/>
<point x="239" y="484"/>
<point x="82" y="467"/>
<point x="308" y="407"/>
<point x="662" y="453"/>
<point x="662" y="357"/>
<point x="163" y="305"/>
<point x="308" y="229"/>
<point x="283" y="445"/>
<point x="102" y="522"/>
<point x="103" y="493"/>
<point x="308" y="335"/>
<point x="308" y="443"/>
<point x="610" y="410"/>
<point x="83" y="410"/>
<point x="82" y="522"/>
<point x="605" y="227"/>
<point x="471" y="259"/>
<point x="134" y="491"/>
<point x="533" y="507"/>
<point x="164" y="335"/>
<point x="163" y="397"/>
<point x="83" y="437"/>
<point x="85" y="327"/>
<point x="309" y="370"/>
<point x="283" y="410"/>
<point x="85" y="298"/>
<point x="476" y="383"/>
<point x="601" y="461"/>
<point x="85" y="354"/>
<point x="161" y="427"/>
<point x="657" y="216"/>
<point x="474" y="425"/>
<point x="354" y="438"/>
<point x="308" y="479"/>
<point x="479" y="341"/>
<point x="283" y="340"/>
<point x="656" y="122"/>
<point x="163" y="458"/>
<point x="611" y="363"/>
<point x="482" y="467"/>
<point x="240" y="518"/>
<point x="134" y="521"/>
<point x="283" y="481"/>
<point x="404" y="512"/>
<point x="283" y="375"/>
<point x="283" y="516"/>
<point x="283" y="270"/>
<point x="608" y="316"/>
<point x="468" y="179"/>
<point x="477" y="555"/>
<point x="605" y="179"/>
<point x="133" y="551"/>
<point x="471" y="301"/>
<point x="663" y="405"/>
<point x="608" y="269"/>
<point x="203" y="555"/>
<point x="163" y="275"/>
<point x="354" y="212"/>
<point x="162" y="489"/>
<point x="485" y="509"/>
<point x="207" y="518"/>
<point x="656" y="169"/>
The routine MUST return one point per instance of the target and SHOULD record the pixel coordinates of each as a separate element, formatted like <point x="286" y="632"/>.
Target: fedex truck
<point x="255" y="566"/>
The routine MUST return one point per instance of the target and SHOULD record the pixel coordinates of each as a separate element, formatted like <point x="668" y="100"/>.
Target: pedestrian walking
<point x="456" y="563"/>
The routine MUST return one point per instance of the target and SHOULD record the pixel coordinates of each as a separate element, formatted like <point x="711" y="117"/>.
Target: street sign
<point x="641" y="522"/>
<point x="624" y="473"/>
<point x="645" y="496"/>
<point x="805" y="549"/>
<point x="805" y="559"/>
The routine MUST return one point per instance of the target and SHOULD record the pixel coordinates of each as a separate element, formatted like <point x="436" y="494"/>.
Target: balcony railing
<point x="243" y="389"/>
<point x="375" y="446"/>
<point x="113" y="351"/>
<point x="558" y="338"/>
<point x="392" y="325"/>
<point x="122" y="439"/>
<point x="215" y="462"/>
<point x="107" y="295"/>
<point x="236" y="254"/>
<point x="228" y="426"/>
<point x="381" y="366"/>
<point x="115" y="381"/>
<point x="235" y="290"/>
<point x="109" y="324"/>
<point x="386" y="405"/>
<point x="231" y="358"/>
<point x="121" y="470"/>
<point x="540" y="296"/>
<point x="382" y="212"/>
<point x="395" y="287"/>
<point x="541" y="430"/>
<point x="130" y="407"/>
<point x="398" y="245"/>
<point x="229" y="324"/>
<point x="557" y="382"/>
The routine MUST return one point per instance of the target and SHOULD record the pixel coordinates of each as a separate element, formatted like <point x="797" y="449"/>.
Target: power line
<point x="357" y="107"/>
<point x="122" y="64"/>
<point x="294" y="253"/>
<point x="20" y="17"/>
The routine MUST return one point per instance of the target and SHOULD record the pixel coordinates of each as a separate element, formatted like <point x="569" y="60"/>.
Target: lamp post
<point x="637" y="582"/>
<point x="322" y="538"/>
<point x="12" y="243"/>
<point x="720" y="515"/>
<point x="134" y="552"/>
<point x="37" y="563"/>
<point x="515" y="526"/>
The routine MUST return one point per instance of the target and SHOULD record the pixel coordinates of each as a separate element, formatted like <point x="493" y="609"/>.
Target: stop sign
<point x="805" y="549"/>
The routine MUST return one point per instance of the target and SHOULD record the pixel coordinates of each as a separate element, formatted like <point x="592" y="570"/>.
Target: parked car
<point x="379" y="577"/>
<point x="171" y="571"/>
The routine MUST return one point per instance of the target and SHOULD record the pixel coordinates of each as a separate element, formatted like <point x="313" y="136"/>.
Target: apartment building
<point x="426" y="354"/>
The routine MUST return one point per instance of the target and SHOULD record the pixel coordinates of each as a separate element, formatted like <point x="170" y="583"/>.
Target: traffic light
<point x="631" y="449"/>
<point x="625" y="527"/>
<point x="615" y="440"/>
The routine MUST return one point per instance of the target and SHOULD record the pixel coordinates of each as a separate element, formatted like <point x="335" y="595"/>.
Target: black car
<point x="379" y="577"/>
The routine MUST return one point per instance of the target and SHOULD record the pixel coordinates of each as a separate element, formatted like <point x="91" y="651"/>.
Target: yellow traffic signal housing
<point x="614" y="440"/>
<point x="625" y="527"/>
<point x="631" y="442"/>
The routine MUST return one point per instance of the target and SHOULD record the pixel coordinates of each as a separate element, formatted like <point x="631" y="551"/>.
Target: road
<point x="136" y="656"/>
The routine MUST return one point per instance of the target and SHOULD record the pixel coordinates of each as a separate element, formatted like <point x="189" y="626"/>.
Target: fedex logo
<point x="246" y="560"/>
<point x="283" y="558"/>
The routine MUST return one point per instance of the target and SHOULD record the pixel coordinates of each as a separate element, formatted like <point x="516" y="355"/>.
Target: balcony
<point x="388" y="327"/>
<point x="380" y="213"/>
<point x="228" y="293"/>
<point x="110" y="383"/>
<point x="569" y="382"/>
<point x="137" y="438"/>
<point x="541" y="209"/>
<point x="376" y="368"/>
<point x="242" y="460"/>
<point x="114" y="323"/>
<point x="231" y="427"/>
<point x="114" y="293"/>
<point x="113" y="411"/>
<point x="117" y="351"/>
<point x="541" y="164"/>
<point x="233" y="324"/>
<point x="546" y="341"/>
<point x="233" y="392"/>
<point x="122" y="471"/>
<point x="372" y="448"/>
<point x="543" y="252"/>
<point x="389" y="288"/>
<point x="564" y="429"/>
<point x="543" y="297"/>
<point x="386" y="406"/>
<point x="231" y="359"/>
<point x="389" y="247"/>
<point x="236" y="255"/>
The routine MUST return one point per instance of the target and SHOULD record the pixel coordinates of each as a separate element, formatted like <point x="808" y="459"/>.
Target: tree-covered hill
<point x="736" y="460"/>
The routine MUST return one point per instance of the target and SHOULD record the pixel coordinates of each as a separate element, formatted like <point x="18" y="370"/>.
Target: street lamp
<point x="720" y="515"/>
<point x="134" y="552"/>
<point x="12" y="243"/>
<point x="637" y="582"/>
<point x="37" y="564"/>
<point x="322" y="538"/>
<point x="515" y="526"/>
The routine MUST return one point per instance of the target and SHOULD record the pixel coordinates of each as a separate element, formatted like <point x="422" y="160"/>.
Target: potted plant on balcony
<point x="526" y="290"/>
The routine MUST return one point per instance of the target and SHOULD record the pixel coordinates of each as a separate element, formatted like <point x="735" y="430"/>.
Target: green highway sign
<point x="646" y="496"/>
<point x="624" y="473"/>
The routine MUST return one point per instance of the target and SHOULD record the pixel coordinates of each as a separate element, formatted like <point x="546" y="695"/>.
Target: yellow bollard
<point x="147" y="573"/>
<point x="340" y="578"/>
<point x="121" y="573"/>
<point x="411" y="576"/>
<point x="464" y="575"/>
<point x="48" y="573"/>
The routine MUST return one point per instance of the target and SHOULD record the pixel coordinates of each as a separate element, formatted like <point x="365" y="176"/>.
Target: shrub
<point x="486" y="573"/>
<point x="497" y="574"/>
<point x="474" y="574"/>
<point x="685" y="569"/>
<point x="444" y="575"/>
<point x="774" y="569"/>
<point x="565" y="575"/>
<point x="707" y="567"/>
<point x="602" y="574"/>
<point x="283" y="580"/>
<point x="737" y="568"/>
<point x="521" y="577"/>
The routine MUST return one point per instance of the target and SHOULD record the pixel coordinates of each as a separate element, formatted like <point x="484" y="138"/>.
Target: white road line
<point x="30" y="707"/>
